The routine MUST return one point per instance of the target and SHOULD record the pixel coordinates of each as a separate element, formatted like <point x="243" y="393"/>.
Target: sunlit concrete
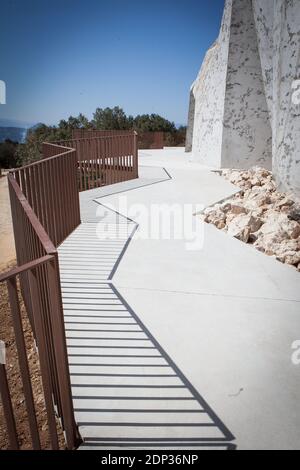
<point x="225" y="313"/>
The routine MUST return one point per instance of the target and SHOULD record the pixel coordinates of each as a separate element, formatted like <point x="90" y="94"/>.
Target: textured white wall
<point x="247" y="137"/>
<point x="286" y="113"/>
<point x="244" y="114"/>
<point x="263" y="16"/>
<point x="209" y="92"/>
<point x="190" y="127"/>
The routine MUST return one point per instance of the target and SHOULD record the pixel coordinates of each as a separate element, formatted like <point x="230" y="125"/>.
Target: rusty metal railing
<point x="151" y="140"/>
<point x="104" y="160"/>
<point x="44" y="200"/>
<point x="49" y="334"/>
<point x="89" y="133"/>
<point x="145" y="140"/>
<point x="50" y="187"/>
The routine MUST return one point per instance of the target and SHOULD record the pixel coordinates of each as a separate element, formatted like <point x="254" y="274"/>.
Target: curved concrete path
<point x="225" y="314"/>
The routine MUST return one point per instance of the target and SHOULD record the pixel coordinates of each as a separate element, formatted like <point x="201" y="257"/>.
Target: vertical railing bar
<point x="27" y="185"/>
<point x="8" y="410"/>
<point x="86" y="153"/>
<point x="96" y="162"/>
<point x="64" y="196"/>
<point x="46" y="197"/>
<point x="76" y="202"/>
<point x="46" y="304"/>
<point x="71" y="170"/>
<point x="80" y="144"/>
<point x="112" y="159"/>
<point x="92" y="163"/>
<point x="91" y="149"/>
<point x="61" y="353"/>
<point x="68" y="202"/>
<point x="44" y="360"/>
<point x="102" y="162"/>
<point x="35" y="198"/>
<point x="83" y="156"/>
<point x="55" y="192"/>
<point x="135" y="155"/>
<point x="22" y="355"/>
<point x="23" y="187"/>
<point x="80" y="167"/>
<point x="60" y="215"/>
<point x="52" y="197"/>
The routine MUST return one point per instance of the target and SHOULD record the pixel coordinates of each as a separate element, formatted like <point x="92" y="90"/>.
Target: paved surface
<point x="7" y="243"/>
<point x="221" y="318"/>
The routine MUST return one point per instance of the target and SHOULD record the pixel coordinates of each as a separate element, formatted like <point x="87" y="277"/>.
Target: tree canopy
<point x="111" y="119"/>
<point x="103" y="119"/>
<point x="8" y="154"/>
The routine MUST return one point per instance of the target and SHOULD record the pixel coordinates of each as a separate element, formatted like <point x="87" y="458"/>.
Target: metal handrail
<point x="38" y="275"/>
<point x="44" y="199"/>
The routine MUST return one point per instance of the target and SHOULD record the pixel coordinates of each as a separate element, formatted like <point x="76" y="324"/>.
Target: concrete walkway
<point x="222" y="319"/>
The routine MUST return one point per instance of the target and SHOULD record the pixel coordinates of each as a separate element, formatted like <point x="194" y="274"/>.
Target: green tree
<point x="8" y="154"/>
<point x="111" y="119"/>
<point x="103" y="119"/>
<point x="31" y="149"/>
<point x="153" y="123"/>
<point x="79" y="122"/>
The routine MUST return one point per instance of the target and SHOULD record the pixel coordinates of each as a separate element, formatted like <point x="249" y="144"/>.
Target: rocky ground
<point x="260" y="215"/>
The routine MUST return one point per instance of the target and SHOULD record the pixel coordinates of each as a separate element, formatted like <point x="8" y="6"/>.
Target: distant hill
<point x="14" y="129"/>
<point x="5" y="122"/>
<point x="16" y="134"/>
<point x="35" y="126"/>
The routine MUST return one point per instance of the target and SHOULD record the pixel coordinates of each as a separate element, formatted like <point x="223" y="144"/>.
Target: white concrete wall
<point x="208" y="117"/>
<point x="263" y="12"/>
<point x="190" y="127"/>
<point x="209" y="92"/>
<point x="247" y="137"/>
<point x="244" y="114"/>
<point x="286" y="113"/>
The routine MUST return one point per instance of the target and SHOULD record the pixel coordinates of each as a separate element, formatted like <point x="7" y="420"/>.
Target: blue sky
<point x="69" y="56"/>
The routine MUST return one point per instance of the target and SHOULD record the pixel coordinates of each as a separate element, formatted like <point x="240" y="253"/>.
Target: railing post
<point x="6" y="401"/>
<point x="22" y="355"/>
<point x="60" y="348"/>
<point x="135" y="155"/>
<point x="44" y="356"/>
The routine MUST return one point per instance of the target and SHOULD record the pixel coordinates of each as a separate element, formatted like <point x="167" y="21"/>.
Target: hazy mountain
<point x="4" y="122"/>
<point x="16" y="134"/>
<point x="14" y="129"/>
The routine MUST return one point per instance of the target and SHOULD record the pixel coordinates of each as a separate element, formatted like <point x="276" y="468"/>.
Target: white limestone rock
<point x="243" y="225"/>
<point x="277" y="225"/>
<point x="268" y="219"/>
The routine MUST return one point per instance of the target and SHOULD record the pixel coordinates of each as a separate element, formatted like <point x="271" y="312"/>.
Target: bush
<point x="8" y="154"/>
